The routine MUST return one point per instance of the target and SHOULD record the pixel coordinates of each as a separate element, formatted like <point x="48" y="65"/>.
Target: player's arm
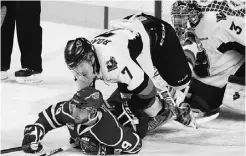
<point x="49" y="119"/>
<point x="230" y="35"/>
<point x="189" y="45"/>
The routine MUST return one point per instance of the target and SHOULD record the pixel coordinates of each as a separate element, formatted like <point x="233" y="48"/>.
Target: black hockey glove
<point x="90" y="146"/>
<point x="31" y="141"/>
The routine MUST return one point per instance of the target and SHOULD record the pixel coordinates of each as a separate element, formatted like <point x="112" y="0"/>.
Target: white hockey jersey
<point x="220" y="36"/>
<point x="114" y="55"/>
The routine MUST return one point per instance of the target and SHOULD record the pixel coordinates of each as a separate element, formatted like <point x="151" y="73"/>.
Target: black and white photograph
<point x="114" y="77"/>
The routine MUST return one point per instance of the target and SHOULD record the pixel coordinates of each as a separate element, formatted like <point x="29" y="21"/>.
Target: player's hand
<point x="185" y="116"/>
<point x="189" y="37"/>
<point x="31" y="141"/>
<point x="91" y="146"/>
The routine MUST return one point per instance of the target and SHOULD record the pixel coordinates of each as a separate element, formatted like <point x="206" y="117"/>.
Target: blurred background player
<point x="26" y="16"/>
<point x="127" y="55"/>
<point x="92" y="127"/>
<point x="215" y="44"/>
<point x="3" y="13"/>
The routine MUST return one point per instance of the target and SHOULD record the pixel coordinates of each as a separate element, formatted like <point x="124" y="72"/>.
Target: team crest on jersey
<point x="94" y="96"/>
<point x="111" y="64"/>
<point x="220" y="16"/>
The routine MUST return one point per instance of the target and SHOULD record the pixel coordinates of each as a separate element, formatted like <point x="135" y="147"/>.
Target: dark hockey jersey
<point x="107" y="130"/>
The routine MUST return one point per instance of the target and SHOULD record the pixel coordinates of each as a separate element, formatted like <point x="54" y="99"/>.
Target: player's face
<point x="84" y="73"/>
<point x="180" y="21"/>
<point x="80" y="115"/>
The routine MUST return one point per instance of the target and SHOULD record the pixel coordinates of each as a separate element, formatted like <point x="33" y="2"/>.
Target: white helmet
<point x="184" y="11"/>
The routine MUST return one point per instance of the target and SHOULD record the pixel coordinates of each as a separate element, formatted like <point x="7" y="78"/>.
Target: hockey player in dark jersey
<point x="129" y="54"/>
<point x="92" y="127"/>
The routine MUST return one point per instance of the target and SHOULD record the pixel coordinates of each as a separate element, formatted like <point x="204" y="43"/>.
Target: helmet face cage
<point x="77" y="51"/>
<point x="184" y="12"/>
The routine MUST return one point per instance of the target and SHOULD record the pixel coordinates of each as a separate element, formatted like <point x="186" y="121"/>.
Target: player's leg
<point x="29" y="35"/>
<point x="241" y="72"/>
<point x="170" y="60"/>
<point x="234" y="96"/>
<point x="201" y="100"/>
<point x="7" y="37"/>
<point x="209" y="103"/>
<point x="172" y="66"/>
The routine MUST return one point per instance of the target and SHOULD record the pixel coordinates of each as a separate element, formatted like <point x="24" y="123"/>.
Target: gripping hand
<point x="31" y="141"/>
<point x="189" y="37"/>
<point x="91" y="146"/>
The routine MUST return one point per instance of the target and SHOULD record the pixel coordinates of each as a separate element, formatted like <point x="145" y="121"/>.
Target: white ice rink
<point x="20" y="104"/>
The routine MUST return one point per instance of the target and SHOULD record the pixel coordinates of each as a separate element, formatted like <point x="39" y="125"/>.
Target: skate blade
<point x="202" y="120"/>
<point x="36" y="78"/>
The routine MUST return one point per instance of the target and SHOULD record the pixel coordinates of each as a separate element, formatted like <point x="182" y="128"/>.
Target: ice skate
<point x="28" y="76"/>
<point x="4" y="75"/>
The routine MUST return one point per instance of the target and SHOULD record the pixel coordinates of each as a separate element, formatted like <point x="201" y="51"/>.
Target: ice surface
<point x="21" y="103"/>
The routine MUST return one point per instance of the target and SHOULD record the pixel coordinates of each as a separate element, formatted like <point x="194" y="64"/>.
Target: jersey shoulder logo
<point x="111" y="64"/>
<point x="220" y="16"/>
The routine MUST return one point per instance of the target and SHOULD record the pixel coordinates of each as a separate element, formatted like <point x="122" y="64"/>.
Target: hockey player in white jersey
<point x="126" y="55"/>
<point x="215" y="44"/>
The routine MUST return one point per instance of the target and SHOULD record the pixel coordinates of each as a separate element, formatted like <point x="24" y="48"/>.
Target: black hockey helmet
<point x="76" y="51"/>
<point x="87" y="98"/>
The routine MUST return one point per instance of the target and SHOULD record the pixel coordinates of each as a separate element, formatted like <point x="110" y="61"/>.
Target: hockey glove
<point x="181" y="113"/>
<point x="189" y="37"/>
<point x="91" y="146"/>
<point x="31" y="141"/>
<point x="185" y="116"/>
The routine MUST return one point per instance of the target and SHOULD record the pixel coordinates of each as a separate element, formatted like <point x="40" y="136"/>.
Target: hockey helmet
<point x="77" y="51"/>
<point x="85" y="104"/>
<point x="184" y="11"/>
<point x="87" y="97"/>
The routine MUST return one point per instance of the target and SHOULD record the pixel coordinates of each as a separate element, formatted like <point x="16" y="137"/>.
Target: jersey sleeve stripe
<point x="38" y="124"/>
<point x="134" y="150"/>
<point x="67" y="114"/>
<point x="84" y="131"/>
<point x="54" y="116"/>
<point x="143" y="85"/>
<point x="49" y="120"/>
<point x="149" y="91"/>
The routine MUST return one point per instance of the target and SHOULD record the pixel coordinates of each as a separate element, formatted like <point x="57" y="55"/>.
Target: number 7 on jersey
<point x="127" y="71"/>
